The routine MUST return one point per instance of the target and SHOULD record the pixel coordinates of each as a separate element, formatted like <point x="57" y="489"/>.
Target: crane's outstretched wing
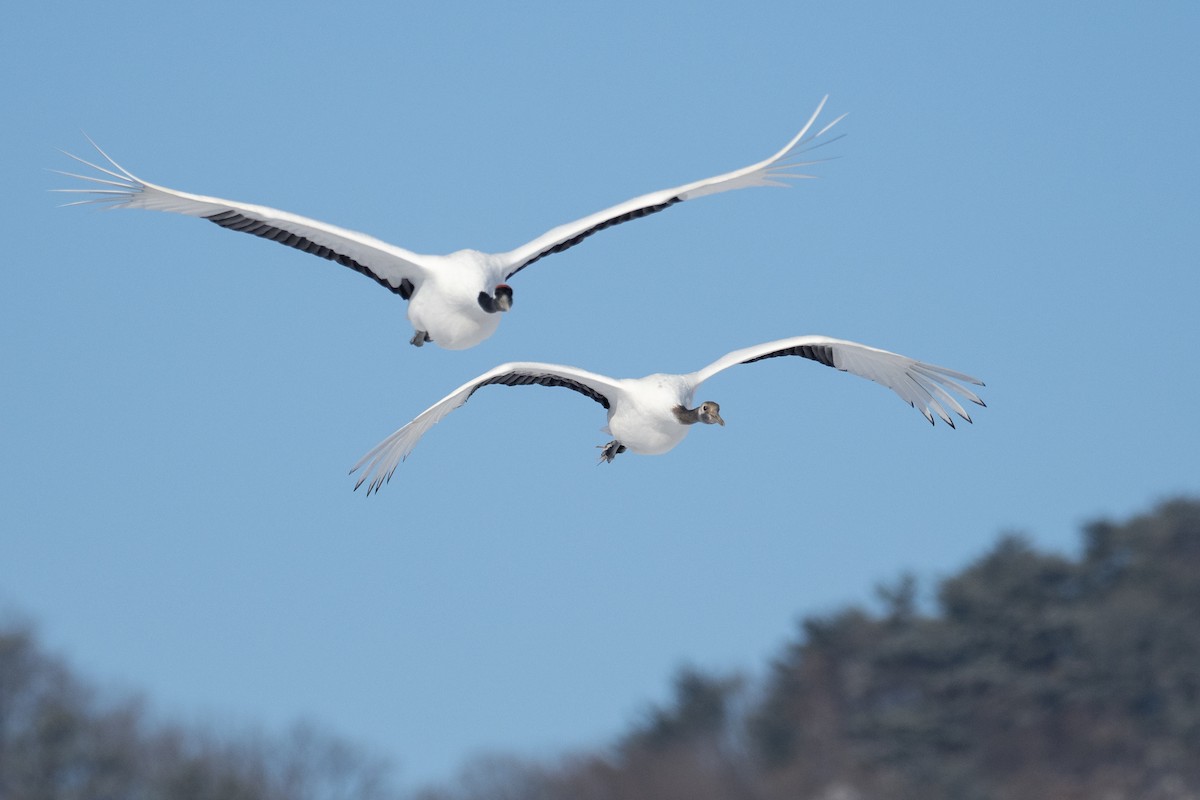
<point x="379" y="464"/>
<point x="773" y="171"/>
<point x="923" y="386"/>
<point x="392" y="267"/>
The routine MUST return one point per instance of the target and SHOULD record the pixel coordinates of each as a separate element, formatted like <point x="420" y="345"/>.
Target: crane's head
<point x="707" y="412"/>
<point x="500" y="300"/>
<point x="710" y="413"/>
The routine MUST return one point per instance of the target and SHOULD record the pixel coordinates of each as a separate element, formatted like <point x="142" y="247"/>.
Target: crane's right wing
<point x="394" y="268"/>
<point x="923" y="386"/>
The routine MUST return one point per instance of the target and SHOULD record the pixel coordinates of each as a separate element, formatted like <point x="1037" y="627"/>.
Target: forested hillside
<point x="61" y="740"/>
<point x="1035" y="676"/>
<point x="1032" y="676"/>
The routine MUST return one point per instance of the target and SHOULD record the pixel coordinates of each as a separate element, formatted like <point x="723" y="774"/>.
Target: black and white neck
<point x="707" y="412"/>
<point x="500" y="301"/>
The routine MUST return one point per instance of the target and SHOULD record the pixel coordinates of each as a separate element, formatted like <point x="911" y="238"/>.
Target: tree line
<point x="60" y="739"/>
<point x="1033" y="676"/>
<point x="1029" y="675"/>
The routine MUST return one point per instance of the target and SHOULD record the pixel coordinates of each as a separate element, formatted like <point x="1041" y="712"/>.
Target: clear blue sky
<point x="1016" y="197"/>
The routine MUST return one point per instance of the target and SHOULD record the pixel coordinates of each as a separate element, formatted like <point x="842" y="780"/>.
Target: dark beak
<point x="504" y="295"/>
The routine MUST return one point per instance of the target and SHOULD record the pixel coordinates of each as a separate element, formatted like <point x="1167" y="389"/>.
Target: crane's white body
<point x="642" y="418"/>
<point x="446" y="306"/>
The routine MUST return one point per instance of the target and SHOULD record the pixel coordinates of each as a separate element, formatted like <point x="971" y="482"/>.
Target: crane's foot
<point x="419" y="338"/>
<point x="610" y="451"/>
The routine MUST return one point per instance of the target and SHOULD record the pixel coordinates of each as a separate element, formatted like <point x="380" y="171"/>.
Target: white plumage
<point x="651" y="415"/>
<point x="455" y="300"/>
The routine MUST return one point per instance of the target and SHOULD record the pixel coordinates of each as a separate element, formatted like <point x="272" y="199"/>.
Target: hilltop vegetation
<point x="1036" y="676"/>
<point x="1032" y="676"/>
<point x="61" y="740"/>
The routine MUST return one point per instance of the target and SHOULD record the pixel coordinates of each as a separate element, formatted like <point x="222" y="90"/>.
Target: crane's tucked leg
<point x="419" y="338"/>
<point x="610" y="451"/>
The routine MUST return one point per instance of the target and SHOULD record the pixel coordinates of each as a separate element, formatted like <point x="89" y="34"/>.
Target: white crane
<point x="455" y="300"/>
<point x="651" y="415"/>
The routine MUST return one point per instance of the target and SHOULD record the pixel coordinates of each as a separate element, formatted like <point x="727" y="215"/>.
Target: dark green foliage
<point x="1035" y="677"/>
<point x="1039" y="676"/>
<point x="699" y="711"/>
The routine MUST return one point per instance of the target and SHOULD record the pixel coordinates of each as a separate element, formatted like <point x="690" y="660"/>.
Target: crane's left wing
<point x="379" y="464"/>
<point x="773" y="171"/>
<point x="925" y="387"/>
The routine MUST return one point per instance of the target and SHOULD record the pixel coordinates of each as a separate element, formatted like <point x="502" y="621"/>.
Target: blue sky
<point x="1016" y="197"/>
